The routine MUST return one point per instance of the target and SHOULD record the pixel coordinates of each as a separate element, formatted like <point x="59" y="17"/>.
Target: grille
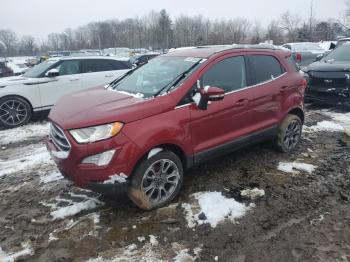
<point x="58" y="138"/>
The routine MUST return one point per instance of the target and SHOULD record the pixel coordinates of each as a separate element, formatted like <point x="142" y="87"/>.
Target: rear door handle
<point x="74" y="79"/>
<point x="241" y="102"/>
<point x="108" y="75"/>
<point x="283" y="89"/>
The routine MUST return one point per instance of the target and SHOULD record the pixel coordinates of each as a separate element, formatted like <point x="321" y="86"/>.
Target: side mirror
<point x="319" y="57"/>
<point x="52" y="73"/>
<point x="210" y="93"/>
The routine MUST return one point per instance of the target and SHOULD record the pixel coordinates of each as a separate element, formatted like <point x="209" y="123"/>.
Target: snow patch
<point x="293" y="167"/>
<point x="25" y="160"/>
<point x="253" y="193"/>
<point x="23" y="133"/>
<point x="184" y="256"/>
<point x="121" y="178"/>
<point x="137" y="95"/>
<point x="325" y="126"/>
<point x="197" y="98"/>
<point x="74" y="209"/>
<point x="11" y="257"/>
<point x="215" y="207"/>
<point x="154" y="151"/>
<point x="52" y="177"/>
<point x="153" y="240"/>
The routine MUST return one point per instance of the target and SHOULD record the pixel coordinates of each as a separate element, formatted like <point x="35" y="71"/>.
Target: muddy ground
<point x="301" y="217"/>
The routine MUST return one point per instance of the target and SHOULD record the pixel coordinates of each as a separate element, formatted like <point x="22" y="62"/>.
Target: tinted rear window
<point x="265" y="68"/>
<point x="100" y="65"/>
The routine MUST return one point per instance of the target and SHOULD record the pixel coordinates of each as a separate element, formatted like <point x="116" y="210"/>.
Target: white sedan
<point x="38" y="89"/>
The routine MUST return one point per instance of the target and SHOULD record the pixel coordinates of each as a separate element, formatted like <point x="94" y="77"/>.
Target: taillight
<point x="298" y="57"/>
<point x="304" y="83"/>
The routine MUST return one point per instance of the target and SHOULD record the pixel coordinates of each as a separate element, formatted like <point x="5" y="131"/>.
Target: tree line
<point x="157" y="31"/>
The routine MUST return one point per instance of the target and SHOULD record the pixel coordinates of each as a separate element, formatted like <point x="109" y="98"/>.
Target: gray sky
<point x="41" y="17"/>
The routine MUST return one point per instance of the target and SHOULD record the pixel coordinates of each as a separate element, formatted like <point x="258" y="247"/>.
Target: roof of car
<point x="88" y="57"/>
<point x="207" y="51"/>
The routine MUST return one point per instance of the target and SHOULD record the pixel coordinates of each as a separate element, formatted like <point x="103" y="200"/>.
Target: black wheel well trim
<point x="22" y="97"/>
<point x="186" y="160"/>
<point x="298" y="112"/>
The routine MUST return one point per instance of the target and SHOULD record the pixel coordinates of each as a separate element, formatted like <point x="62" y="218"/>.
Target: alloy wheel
<point x="13" y="112"/>
<point x="160" y="180"/>
<point x="292" y="134"/>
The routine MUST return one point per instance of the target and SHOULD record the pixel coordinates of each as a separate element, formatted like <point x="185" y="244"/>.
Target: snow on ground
<point x="25" y="159"/>
<point x="293" y="167"/>
<point x="23" y="133"/>
<point x="253" y="193"/>
<point x="11" y="257"/>
<point x="325" y="126"/>
<point x="184" y="256"/>
<point x="52" y="177"/>
<point x="73" y="208"/>
<point x="213" y="208"/>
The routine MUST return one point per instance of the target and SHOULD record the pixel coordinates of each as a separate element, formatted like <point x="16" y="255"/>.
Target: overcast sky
<point x="41" y="17"/>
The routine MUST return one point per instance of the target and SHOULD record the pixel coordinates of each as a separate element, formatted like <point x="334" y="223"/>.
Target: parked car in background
<point x="40" y="87"/>
<point x="329" y="78"/>
<point x="141" y="59"/>
<point x="145" y="129"/>
<point x="304" y="53"/>
<point x="5" y="70"/>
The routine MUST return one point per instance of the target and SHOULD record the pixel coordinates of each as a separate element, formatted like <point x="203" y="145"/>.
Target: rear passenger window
<point x="228" y="74"/>
<point x="265" y="68"/>
<point x="100" y="65"/>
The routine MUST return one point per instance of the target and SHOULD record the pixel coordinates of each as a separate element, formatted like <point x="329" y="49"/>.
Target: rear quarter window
<point x="264" y="68"/>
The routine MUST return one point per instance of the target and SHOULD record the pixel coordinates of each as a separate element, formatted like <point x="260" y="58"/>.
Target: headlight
<point x="96" y="133"/>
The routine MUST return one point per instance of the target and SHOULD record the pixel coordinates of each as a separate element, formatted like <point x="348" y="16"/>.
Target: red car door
<point x="224" y="120"/>
<point x="268" y="89"/>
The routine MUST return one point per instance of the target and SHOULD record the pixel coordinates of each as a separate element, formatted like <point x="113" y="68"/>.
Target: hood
<point x="20" y="80"/>
<point x="98" y="106"/>
<point x="335" y="66"/>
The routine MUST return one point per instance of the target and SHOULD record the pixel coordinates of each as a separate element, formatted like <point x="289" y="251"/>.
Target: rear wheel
<point x="156" y="181"/>
<point x="14" y="111"/>
<point x="289" y="134"/>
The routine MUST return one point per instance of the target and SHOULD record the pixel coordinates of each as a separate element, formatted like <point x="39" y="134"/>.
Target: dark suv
<point x="5" y="70"/>
<point x="139" y="134"/>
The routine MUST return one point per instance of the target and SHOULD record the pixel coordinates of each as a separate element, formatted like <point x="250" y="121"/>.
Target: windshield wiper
<point x="176" y="80"/>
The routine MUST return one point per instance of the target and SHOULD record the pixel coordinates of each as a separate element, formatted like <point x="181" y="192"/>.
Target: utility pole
<point x="311" y="19"/>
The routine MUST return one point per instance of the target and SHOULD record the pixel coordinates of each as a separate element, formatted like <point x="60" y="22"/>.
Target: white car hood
<point x="18" y="80"/>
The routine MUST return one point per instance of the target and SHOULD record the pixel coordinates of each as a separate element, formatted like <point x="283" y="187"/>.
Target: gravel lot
<point x="277" y="207"/>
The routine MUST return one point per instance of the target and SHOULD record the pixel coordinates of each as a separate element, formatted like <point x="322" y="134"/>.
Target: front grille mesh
<point x="58" y="138"/>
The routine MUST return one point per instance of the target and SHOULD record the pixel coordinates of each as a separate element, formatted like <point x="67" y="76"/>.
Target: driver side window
<point x="228" y="74"/>
<point x="68" y="67"/>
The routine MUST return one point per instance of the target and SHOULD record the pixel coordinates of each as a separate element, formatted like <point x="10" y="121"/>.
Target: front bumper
<point x="91" y="176"/>
<point x="330" y="96"/>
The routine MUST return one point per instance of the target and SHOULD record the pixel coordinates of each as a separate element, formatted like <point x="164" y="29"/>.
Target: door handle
<point x="108" y="75"/>
<point x="74" y="79"/>
<point x="242" y="102"/>
<point x="283" y="89"/>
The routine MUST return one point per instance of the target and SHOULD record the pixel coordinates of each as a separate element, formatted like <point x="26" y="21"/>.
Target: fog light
<point x="101" y="159"/>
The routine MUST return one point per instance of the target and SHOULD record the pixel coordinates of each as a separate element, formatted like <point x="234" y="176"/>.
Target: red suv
<point x="138" y="134"/>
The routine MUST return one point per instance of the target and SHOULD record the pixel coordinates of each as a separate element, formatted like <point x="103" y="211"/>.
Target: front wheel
<point x="289" y="134"/>
<point x="156" y="181"/>
<point x="14" y="112"/>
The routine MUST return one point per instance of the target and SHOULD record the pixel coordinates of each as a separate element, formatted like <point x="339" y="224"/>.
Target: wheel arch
<point x="298" y="112"/>
<point x="176" y="149"/>
<point x="22" y="97"/>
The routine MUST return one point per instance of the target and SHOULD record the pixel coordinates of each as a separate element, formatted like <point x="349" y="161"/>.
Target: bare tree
<point x="27" y="45"/>
<point x="290" y="23"/>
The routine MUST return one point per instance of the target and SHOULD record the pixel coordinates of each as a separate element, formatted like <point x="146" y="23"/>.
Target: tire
<point x="289" y="134"/>
<point x="150" y="188"/>
<point x="14" y="112"/>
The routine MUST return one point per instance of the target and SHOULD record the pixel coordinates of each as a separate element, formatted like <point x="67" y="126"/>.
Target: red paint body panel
<point x="153" y="122"/>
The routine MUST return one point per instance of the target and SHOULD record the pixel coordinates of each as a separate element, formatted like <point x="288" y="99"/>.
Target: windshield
<point x="341" y="53"/>
<point x="150" y="79"/>
<point x="39" y="69"/>
<point x="306" y="47"/>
